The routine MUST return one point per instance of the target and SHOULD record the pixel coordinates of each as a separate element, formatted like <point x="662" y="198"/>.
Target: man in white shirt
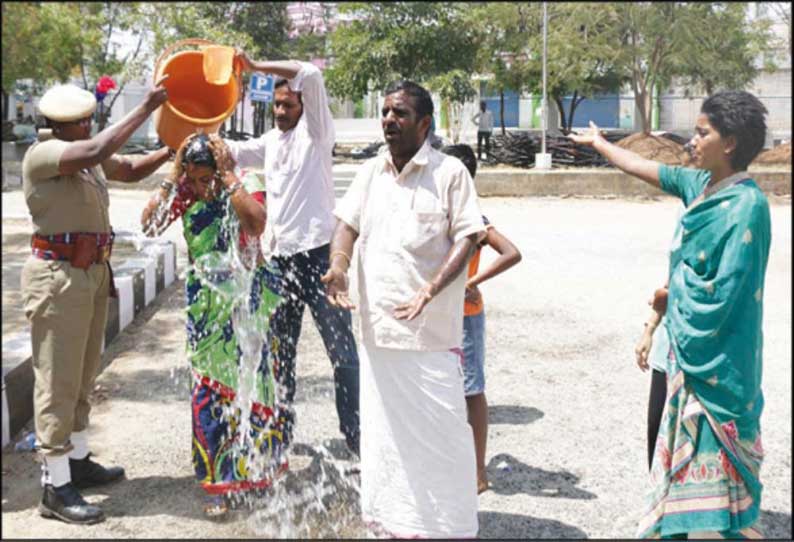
<point x="296" y="156"/>
<point x="484" y="121"/>
<point x="414" y="212"/>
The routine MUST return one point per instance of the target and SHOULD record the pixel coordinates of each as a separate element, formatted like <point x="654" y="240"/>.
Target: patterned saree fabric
<point x="224" y="461"/>
<point x="706" y="468"/>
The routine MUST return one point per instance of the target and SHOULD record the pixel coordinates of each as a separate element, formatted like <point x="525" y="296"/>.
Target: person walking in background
<point x="484" y="121"/>
<point x="474" y="322"/>
<point x="415" y="211"/>
<point x="296" y="158"/>
<point x="67" y="280"/>
<point x="215" y="204"/>
<point x="711" y="422"/>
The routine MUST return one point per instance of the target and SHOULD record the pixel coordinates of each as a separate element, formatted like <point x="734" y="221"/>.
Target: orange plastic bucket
<point x="193" y="103"/>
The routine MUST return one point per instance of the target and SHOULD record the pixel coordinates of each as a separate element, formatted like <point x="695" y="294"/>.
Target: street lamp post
<point x="543" y="159"/>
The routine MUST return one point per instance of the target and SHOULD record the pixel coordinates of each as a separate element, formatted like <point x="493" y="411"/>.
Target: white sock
<point x="79" y="440"/>
<point x="56" y="470"/>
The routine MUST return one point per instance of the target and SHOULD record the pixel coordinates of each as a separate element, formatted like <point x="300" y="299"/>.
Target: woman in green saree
<point x="223" y="216"/>
<point x="708" y="451"/>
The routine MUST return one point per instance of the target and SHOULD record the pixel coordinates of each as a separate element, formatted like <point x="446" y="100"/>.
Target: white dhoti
<point x="418" y="472"/>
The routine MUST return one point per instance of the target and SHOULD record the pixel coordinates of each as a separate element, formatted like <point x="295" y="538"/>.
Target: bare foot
<point x="482" y="483"/>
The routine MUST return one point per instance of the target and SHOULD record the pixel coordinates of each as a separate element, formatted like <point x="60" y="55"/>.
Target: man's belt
<point x="81" y="249"/>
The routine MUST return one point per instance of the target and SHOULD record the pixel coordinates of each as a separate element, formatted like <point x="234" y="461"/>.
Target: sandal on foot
<point x="215" y="506"/>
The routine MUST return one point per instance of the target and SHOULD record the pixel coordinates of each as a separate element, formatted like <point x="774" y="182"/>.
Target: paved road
<point x="566" y="453"/>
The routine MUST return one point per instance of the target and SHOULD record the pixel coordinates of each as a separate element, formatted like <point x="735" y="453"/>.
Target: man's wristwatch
<point x="167" y="185"/>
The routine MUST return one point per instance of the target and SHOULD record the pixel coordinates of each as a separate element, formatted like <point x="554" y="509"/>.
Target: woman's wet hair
<point x="465" y="154"/>
<point x="739" y="114"/>
<point x="197" y="151"/>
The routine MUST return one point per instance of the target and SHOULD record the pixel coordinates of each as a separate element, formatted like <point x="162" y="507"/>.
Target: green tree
<point x="581" y="56"/>
<point x="708" y="45"/>
<point x="724" y="59"/>
<point x="455" y="89"/>
<point x="385" y="41"/>
<point x="650" y="34"/>
<point x="504" y="53"/>
<point x="40" y="42"/>
<point x="100" y="51"/>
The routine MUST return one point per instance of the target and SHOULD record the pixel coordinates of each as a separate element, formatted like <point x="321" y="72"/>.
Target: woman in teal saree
<point x="705" y="471"/>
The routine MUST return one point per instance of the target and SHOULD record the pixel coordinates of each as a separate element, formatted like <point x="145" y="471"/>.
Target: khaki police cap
<point x="65" y="103"/>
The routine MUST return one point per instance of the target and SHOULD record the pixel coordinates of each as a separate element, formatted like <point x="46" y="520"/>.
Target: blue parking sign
<point x="261" y="88"/>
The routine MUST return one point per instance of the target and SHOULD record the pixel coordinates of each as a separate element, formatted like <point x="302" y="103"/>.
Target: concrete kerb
<point x="139" y="280"/>
<point x="594" y="182"/>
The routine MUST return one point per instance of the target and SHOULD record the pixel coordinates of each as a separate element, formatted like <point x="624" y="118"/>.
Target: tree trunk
<point x="643" y="101"/>
<point x="5" y="105"/>
<point x="561" y="108"/>
<point x="502" y="109"/>
<point x="574" y="102"/>
<point x="457" y="111"/>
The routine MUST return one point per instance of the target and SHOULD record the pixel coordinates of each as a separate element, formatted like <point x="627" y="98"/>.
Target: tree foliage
<point x="41" y="41"/>
<point x="724" y="59"/>
<point x="455" y="89"/>
<point x="504" y="53"/>
<point x="707" y="45"/>
<point x="581" y="56"/>
<point x="385" y="41"/>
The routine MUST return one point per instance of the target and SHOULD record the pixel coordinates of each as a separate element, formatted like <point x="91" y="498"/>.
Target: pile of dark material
<point x="358" y="153"/>
<point x="519" y="148"/>
<point x="8" y="131"/>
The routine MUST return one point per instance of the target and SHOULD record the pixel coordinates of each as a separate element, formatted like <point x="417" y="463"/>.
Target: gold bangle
<point x="340" y="253"/>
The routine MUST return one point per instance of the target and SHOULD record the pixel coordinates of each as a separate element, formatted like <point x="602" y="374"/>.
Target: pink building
<point x="311" y="17"/>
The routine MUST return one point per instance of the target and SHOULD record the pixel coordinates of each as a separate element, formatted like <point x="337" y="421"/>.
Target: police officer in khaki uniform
<point x="67" y="280"/>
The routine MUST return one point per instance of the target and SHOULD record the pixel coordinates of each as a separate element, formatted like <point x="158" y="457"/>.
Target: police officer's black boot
<point x="87" y="473"/>
<point x="66" y="503"/>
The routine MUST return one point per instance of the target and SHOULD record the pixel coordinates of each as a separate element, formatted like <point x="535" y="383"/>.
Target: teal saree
<point x="705" y="472"/>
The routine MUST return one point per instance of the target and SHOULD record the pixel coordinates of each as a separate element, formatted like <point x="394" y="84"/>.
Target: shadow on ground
<point x="509" y="476"/>
<point x="499" y="525"/>
<point x="513" y="414"/>
<point x="775" y="525"/>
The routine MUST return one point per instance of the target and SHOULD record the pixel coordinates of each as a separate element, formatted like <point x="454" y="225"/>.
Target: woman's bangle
<point x="167" y="185"/>
<point x="234" y="187"/>
<point x="340" y="253"/>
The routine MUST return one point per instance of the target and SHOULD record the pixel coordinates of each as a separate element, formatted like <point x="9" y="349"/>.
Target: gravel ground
<point x="566" y="452"/>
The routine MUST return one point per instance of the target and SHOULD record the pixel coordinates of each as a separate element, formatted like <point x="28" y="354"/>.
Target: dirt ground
<point x="566" y="452"/>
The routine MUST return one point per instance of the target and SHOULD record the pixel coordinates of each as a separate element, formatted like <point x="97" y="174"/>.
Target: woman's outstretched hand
<point x="588" y="138"/>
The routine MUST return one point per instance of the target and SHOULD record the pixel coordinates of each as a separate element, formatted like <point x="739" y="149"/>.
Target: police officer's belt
<point x="81" y="249"/>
